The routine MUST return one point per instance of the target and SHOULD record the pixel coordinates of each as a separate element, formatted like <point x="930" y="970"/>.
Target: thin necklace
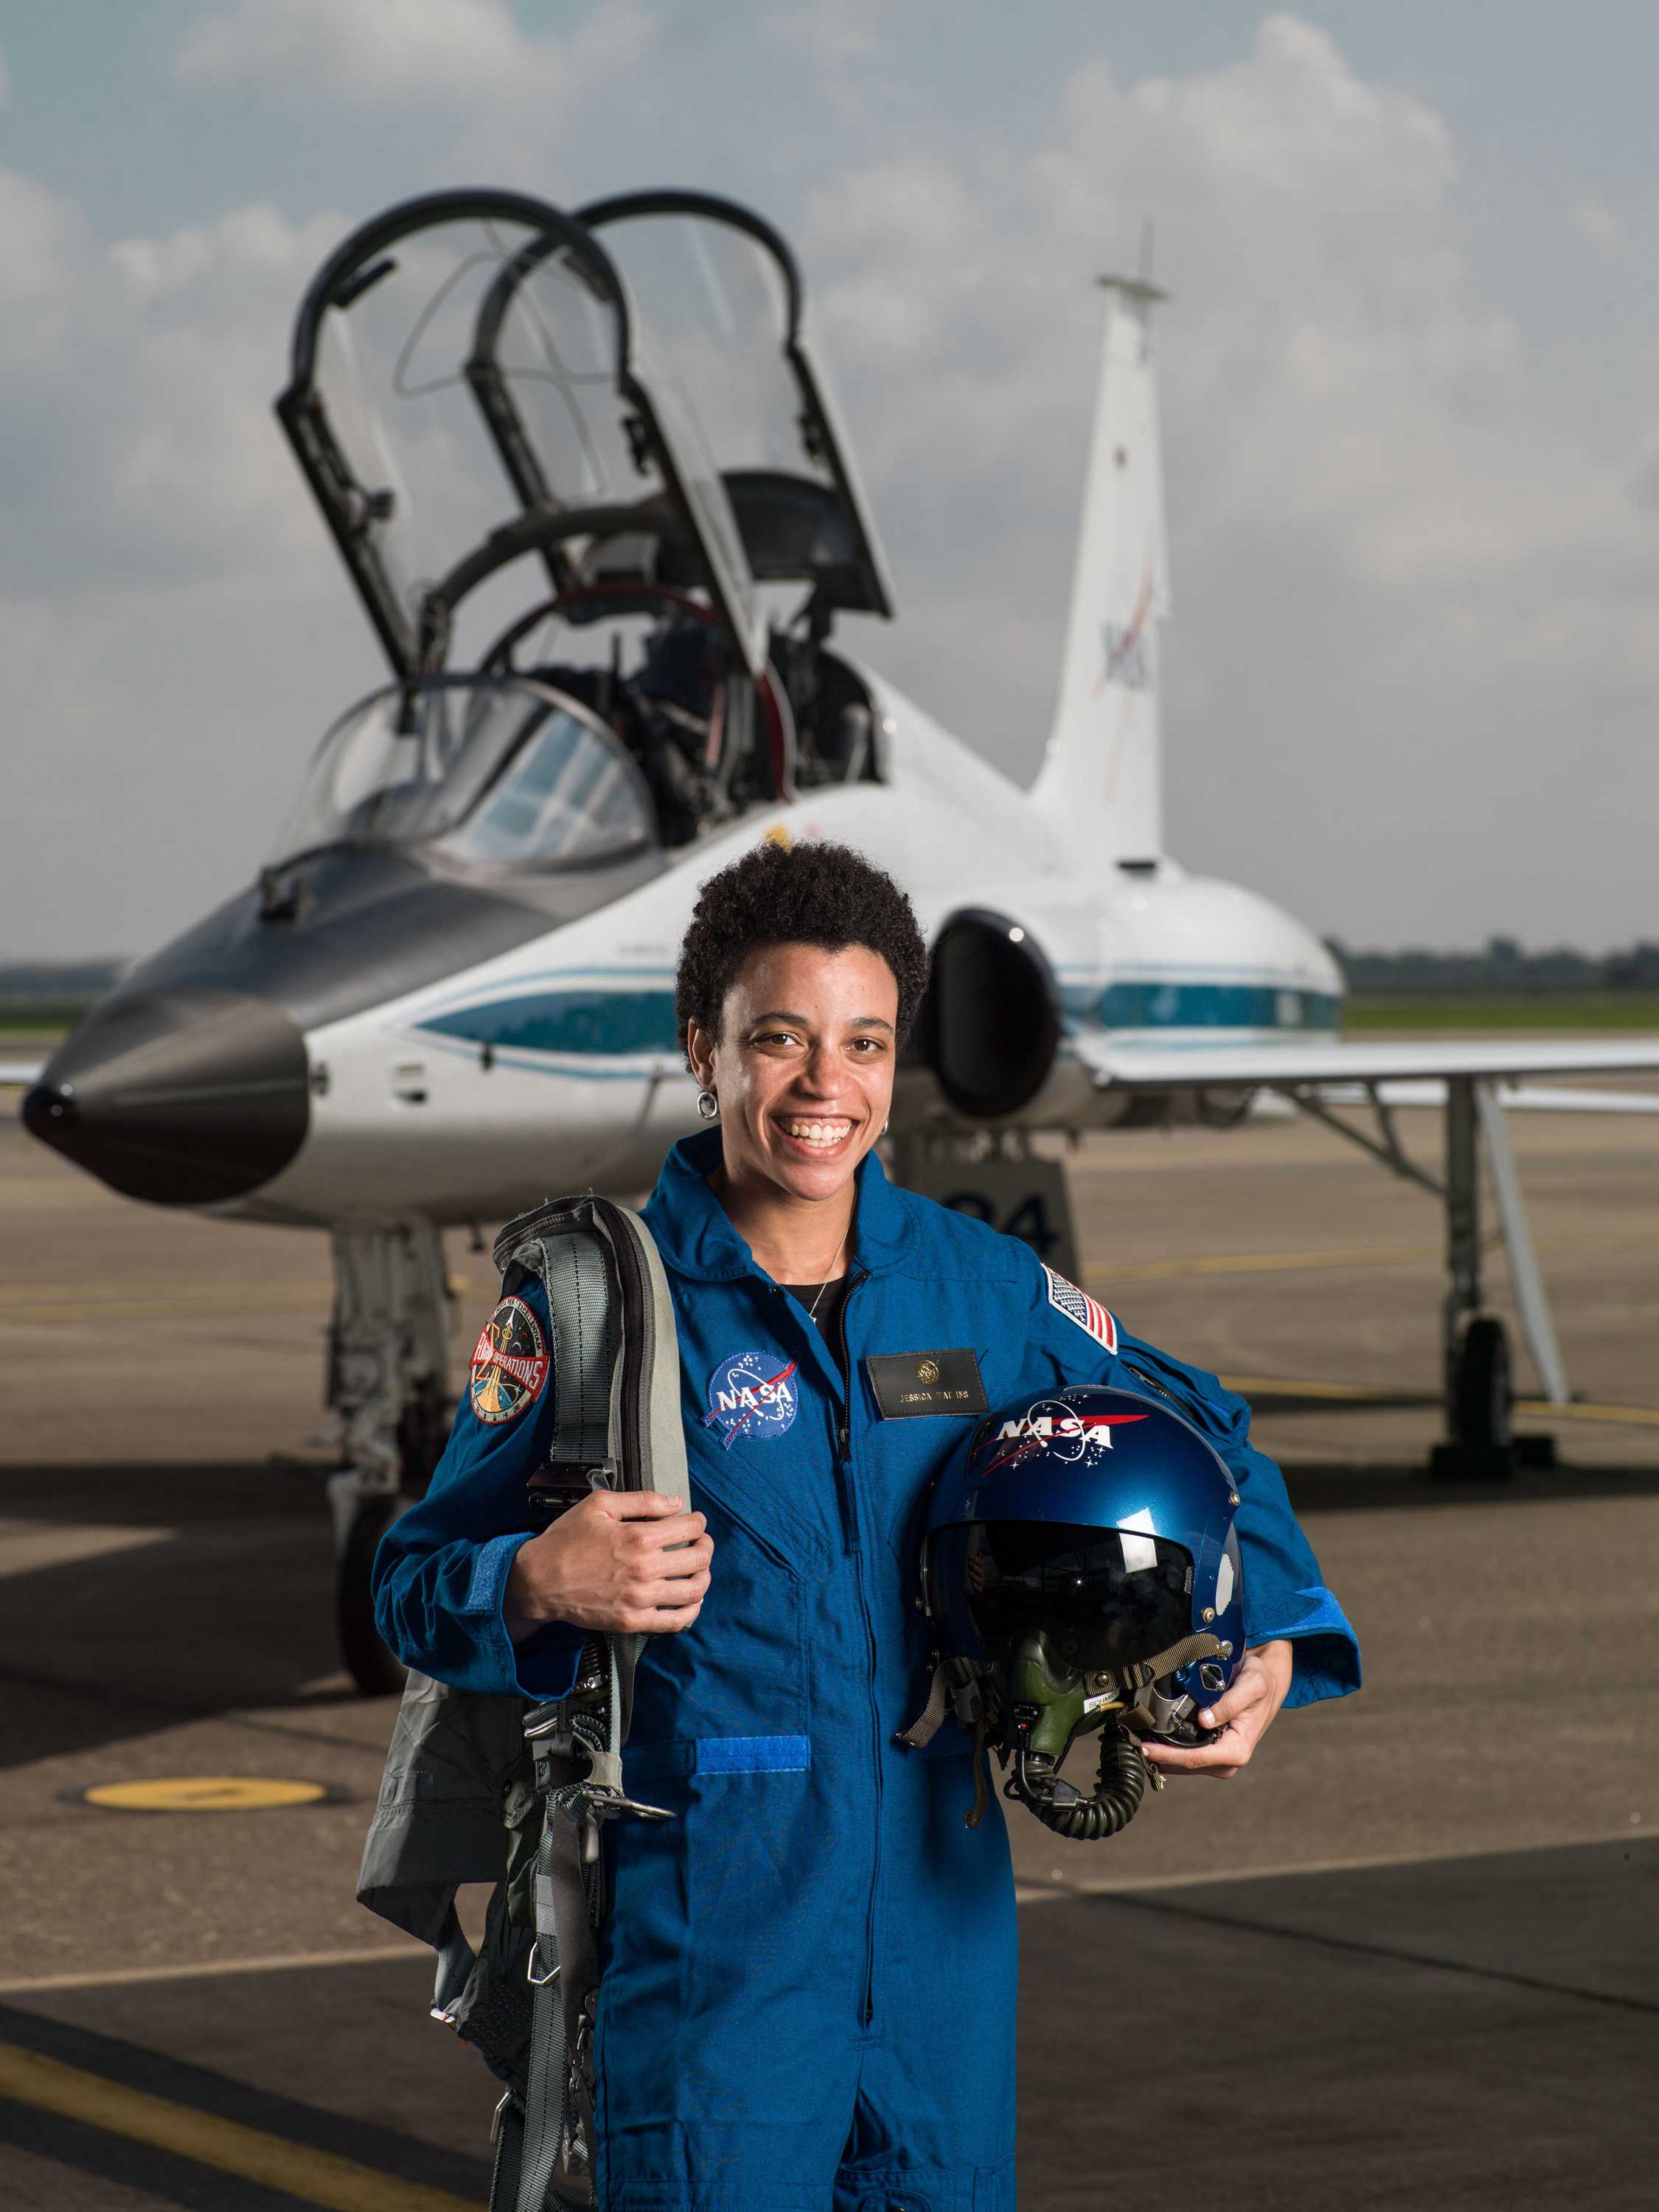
<point x="812" y="1310"/>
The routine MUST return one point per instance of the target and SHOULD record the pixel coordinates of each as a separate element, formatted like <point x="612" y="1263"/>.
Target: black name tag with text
<point x="909" y="1383"/>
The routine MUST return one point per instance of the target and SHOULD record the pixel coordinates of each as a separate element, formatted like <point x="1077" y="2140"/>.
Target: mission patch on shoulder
<point x="1090" y="1316"/>
<point x="510" y="1363"/>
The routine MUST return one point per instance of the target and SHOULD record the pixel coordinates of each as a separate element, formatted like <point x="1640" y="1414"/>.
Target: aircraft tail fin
<point x="1101" y="765"/>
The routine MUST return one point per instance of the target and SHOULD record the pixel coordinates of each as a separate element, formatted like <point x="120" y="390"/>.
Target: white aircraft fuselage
<point x="583" y="1082"/>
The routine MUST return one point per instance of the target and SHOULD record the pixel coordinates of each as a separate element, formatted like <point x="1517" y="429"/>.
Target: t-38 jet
<point x="585" y="477"/>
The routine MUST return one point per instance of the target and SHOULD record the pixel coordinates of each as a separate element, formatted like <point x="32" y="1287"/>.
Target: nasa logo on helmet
<point x="1080" y="1572"/>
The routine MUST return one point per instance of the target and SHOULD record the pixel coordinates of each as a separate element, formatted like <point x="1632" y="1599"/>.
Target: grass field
<point x="1498" y="1010"/>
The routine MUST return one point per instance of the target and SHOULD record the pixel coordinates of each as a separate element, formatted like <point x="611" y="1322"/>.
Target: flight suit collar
<point x="696" y="1237"/>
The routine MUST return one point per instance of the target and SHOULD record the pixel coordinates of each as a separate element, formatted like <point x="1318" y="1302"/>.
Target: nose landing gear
<point x="389" y="1346"/>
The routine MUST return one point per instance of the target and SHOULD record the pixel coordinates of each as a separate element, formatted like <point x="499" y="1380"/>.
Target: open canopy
<point x="466" y="320"/>
<point x="722" y="297"/>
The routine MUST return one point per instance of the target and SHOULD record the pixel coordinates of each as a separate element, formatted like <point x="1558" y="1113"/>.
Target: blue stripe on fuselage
<point x="599" y="1023"/>
<point x="1194" y="1005"/>
<point x="596" y="1023"/>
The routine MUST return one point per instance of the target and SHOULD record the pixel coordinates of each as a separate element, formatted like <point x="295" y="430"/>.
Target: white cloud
<point x="1402" y="576"/>
<point x="832" y="37"/>
<point x="402" y="53"/>
<point x="388" y="52"/>
<point x="1412" y="570"/>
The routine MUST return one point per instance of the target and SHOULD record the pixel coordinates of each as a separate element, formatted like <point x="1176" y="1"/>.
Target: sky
<point x="1411" y="411"/>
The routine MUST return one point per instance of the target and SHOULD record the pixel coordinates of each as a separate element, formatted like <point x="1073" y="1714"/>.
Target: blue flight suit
<point x="808" y="1994"/>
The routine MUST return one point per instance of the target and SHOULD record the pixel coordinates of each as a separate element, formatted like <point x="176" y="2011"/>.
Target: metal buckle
<point x="603" y="1804"/>
<point x="538" y="1981"/>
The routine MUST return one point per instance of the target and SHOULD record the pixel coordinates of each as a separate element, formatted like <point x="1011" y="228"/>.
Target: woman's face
<point x="803" y="1066"/>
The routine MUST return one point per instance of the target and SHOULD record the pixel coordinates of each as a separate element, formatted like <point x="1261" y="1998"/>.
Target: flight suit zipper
<point x="842" y="1432"/>
<point x="878" y="1740"/>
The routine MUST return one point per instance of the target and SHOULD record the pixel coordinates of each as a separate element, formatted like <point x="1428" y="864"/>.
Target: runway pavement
<point x="1412" y="1959"/>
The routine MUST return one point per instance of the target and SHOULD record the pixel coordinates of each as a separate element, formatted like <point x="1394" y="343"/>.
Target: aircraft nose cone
<point x="184" y="1097"/>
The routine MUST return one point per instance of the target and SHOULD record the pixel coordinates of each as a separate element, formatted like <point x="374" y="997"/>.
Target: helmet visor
<point x="1105" y="1597"/>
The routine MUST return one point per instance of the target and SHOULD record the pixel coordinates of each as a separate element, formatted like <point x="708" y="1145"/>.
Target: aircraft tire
<point x="1485" y="1393"/>
<point x="422" y="1431"/>
<point x="376" y="1669"/>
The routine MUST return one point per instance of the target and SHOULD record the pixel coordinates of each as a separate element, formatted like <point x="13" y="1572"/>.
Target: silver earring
<point x="883" y="1129"/>
<point x="707" y="1105"/>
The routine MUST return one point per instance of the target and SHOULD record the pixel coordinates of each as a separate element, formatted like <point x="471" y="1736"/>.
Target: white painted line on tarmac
<point x="28" y="1547"/>
<point x="275" y="1963"/>
<point x="1103" y="1278"/>
<point x="1025" y="1892"/>
<point x="1034" y="1892"/>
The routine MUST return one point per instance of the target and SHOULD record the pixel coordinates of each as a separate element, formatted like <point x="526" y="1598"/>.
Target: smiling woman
<point x="808" y="1993"/>
<point x="799" y="982"/>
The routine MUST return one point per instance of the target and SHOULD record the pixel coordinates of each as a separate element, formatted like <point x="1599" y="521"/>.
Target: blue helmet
<point x="1080" y="1570"/>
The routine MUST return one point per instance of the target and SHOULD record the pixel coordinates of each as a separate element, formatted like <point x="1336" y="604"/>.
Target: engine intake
<point x="989" y="1026"/>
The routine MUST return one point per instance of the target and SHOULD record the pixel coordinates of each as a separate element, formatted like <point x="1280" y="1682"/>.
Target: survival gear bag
<point x="491" y="1789"/>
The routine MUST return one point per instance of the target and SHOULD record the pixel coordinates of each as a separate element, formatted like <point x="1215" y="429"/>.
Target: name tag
<point x="908" y="1383"/>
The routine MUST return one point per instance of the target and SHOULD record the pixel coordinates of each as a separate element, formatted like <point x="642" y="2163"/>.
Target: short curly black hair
<point x="809" y="893"/>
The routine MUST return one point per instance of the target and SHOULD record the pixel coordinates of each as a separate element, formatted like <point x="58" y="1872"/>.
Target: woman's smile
<point x="814" y="1136"/>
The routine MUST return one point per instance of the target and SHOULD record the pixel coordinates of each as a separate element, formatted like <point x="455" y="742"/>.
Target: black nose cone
<point x="185" y="1097"/>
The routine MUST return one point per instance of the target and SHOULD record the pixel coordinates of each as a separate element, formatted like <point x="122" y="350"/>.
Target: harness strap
<point x="1131" y="1679"/>
<point x="555" y="2148"/>
<point x="586" y="1335"/>
<point x="955" y="1684"/>
<point x="929" y="1721"/>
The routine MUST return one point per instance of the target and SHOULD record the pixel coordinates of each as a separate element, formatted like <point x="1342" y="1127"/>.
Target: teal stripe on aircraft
<point x="1203" y="1007"/>
<point x="610" y="1024"/>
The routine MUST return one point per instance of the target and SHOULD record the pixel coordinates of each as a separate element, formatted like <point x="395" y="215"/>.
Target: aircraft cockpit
<point x="487" y="772"/>
<point x="639" y="376"/>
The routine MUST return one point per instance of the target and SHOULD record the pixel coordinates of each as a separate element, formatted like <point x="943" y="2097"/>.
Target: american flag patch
<point x="1090" y="1316"/>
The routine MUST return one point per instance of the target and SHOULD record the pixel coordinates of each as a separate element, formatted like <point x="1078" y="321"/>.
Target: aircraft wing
<point x="1115" y="1064"/>
<point x="1519" y="1098"/>
<point x="19" y="1071"/>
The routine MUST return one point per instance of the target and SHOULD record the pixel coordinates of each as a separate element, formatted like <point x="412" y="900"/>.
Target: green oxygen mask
<point x="1037" y="1704"/>
<point x="1047" y="1703"/>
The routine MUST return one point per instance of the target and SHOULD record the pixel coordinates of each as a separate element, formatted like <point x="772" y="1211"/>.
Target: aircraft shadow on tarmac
<point x="228" y="1608"/>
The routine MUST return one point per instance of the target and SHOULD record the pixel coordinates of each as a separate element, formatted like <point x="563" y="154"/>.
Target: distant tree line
<point x="58" y="979"/>
<point x="1502" y="966"/>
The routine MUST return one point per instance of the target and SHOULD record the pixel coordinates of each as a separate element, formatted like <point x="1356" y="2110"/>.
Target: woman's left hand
<point x="1236" y="1722"/>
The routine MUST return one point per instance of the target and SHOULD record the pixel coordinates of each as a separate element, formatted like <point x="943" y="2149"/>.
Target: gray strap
<point x="565" y="1930"/>
<point x="955" y="1684"/>
<point x="586" y="1334"/>
<point x="928" y="1723"/>
<point x="1203" y="1645"/>
<point x="542" y="2129"/>
<point x="509" y="2151"/>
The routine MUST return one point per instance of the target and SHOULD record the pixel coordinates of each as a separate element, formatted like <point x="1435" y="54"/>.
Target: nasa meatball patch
<point x="1090" y="1316"/>
<point x="754" y="1395"/>
<point x="510" y="1363"/>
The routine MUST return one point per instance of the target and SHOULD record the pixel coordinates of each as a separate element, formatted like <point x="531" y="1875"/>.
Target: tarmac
<point x="1410" y="1958"/>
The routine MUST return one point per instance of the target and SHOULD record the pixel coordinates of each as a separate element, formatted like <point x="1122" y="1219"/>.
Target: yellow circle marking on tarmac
<point x="205" y="1793"/>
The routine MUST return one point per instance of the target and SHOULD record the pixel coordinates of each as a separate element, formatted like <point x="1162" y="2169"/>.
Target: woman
<point x="808" y="1997"/>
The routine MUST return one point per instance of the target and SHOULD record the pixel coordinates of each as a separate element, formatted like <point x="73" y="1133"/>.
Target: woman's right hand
<point x="629" y="1560"/>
